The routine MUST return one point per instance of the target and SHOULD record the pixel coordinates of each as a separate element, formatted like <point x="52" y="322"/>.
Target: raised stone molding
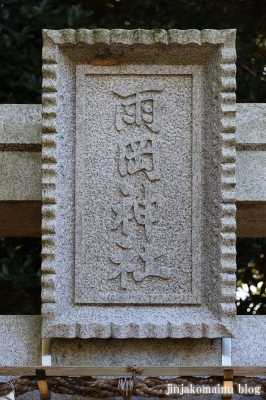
<point x="49" y="161"/>
<point x="142" y="36"/>
<point x="20" y="345"/>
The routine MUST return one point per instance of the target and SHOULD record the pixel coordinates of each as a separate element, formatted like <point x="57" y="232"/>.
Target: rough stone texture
<point x="212" y="52"/>
<point x="20" y="340"/>
<point x="107" y="181"/>
<point x="22" y="335"/>
<point x="20" y="175"/>
<point x="167" y="352"/>
<point x="250" y="124"/>
<point x="249" y="345"/>
<point x="249" y="135"/>
<point x="20" y="123"/>
<point x="250" y="164"/>
<point x="251" y="153"/>
<point x="20" y="344"/>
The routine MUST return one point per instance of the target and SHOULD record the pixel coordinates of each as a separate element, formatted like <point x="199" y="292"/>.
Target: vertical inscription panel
<point x="138" y="185"/>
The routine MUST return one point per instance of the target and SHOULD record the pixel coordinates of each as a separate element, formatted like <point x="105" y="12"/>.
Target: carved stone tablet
<point x="138" y="183"/>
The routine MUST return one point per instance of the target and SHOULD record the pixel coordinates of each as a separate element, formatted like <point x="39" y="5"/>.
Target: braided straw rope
<point x="105" y="388"/>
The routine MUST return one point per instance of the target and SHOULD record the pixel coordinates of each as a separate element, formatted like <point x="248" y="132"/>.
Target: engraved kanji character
<point x="149" y="257"/>
<point x="146" y="211"/>
<point x="124" y="210"/>
<point x="124" y="259"/>
<point x="139" y="155"/>
<point x="141" y="106"/>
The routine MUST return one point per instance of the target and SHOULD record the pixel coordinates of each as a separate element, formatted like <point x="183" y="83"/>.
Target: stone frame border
<point x="226" y="38"/>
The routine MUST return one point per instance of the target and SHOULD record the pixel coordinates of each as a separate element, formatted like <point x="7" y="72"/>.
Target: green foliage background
<point x="21" y="22"/>
<point x="251" y="276"/>
<point x="20" y="272"/>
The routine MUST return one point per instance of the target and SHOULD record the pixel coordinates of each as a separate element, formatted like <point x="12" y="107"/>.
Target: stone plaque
<point x="138" y="183"/>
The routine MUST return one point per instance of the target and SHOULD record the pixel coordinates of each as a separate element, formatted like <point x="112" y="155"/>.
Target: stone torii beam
<point x="20" y="184"/>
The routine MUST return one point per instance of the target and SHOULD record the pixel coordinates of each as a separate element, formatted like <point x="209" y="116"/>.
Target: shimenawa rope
<point x="105" y="388"/>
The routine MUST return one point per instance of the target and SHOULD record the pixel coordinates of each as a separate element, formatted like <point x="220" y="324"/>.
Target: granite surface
<point x="138" y="233"/>
<point x="250" y="164"/>
<point x="20" y="123"/>
<point x="20" y="335"/>
<point x="249" y="346"/>
<point x="22" y="217"/>
<point x="166" y="352"/>
<point x="67" y="312"/>
<point x="20" y="344"/>
<point x="250" y="125"/>
<point x="251" y="160"/>
<point x="20" y="340"/>
<point x="20" y="175"/>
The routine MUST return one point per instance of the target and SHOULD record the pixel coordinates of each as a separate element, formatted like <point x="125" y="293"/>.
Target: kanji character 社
<point x="125" y="261"/>
<point x="151" y="269"/>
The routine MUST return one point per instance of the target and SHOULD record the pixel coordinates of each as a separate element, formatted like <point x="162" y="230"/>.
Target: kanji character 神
<point x="146" y="210"/>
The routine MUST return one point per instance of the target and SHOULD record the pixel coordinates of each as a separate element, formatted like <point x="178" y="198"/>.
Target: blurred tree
<point x="20" y="272"/>
<point x="21" y="22"/>
<point x="21" y="44"/>
<point x="251" y="276"/>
